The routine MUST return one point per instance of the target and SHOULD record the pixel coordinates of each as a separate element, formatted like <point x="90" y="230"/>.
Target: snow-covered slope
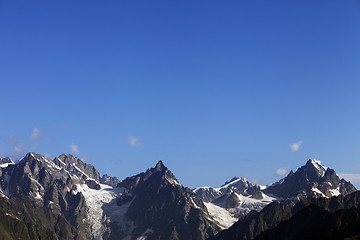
<point x="103" y="209"/>
<point x="233" y="200"/>
<point x="223" y="217"/>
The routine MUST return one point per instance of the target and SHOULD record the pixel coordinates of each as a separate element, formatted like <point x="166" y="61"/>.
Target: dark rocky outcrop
<point x="108" y="180"/>
<point x="161" y="204"/>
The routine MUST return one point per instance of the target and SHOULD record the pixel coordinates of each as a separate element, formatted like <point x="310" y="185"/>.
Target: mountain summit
<point x="311" y="180"/>
<point x="69" y="199"/>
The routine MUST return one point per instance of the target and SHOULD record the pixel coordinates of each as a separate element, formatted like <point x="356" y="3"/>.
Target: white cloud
<point x="134" y="141"/>
<point x="35" y="133"/>
<point x="294" y="147"/>
<point x="47" y="156"/>
<point x="19" y="148"/>
<point x="281" y="171"/>
<point x="352" y="177"/>
<point x="255" y="181"/>
<point x="75" y="149"/>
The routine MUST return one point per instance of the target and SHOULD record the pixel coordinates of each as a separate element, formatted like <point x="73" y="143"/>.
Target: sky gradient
<point x="214" y="89"/>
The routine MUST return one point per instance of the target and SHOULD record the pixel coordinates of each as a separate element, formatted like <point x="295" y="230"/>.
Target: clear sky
<point x="215" y="89"/>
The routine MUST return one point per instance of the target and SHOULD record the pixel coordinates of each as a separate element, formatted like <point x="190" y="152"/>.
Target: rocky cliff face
<point x="163" y="209"/>
<point x="50" y="184"/>
<point x="15" y="223"/>
<point x="108" y="180"/>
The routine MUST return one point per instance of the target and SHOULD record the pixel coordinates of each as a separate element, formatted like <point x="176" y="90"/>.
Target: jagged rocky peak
<point x="76" y="165"/>
<point x="159" y="173"/>
<point x="240" y="183"/>
<point x="108" y="180"/>
<point x="68" y="159"/>
<point x="160" y="166"/>
<point x="314" y="166"/>
<point x="156" y="199"/>
<point x="311" y="180"/>
<point x="5" y="160"/>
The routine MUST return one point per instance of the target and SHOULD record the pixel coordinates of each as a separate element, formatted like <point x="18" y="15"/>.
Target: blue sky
<point x="215" y="89"/>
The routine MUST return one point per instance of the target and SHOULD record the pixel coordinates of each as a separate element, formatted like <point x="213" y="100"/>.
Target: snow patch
<point x="195" y="205"/>
<point x="38" y="196"/>
<point x="263" y="187"/>
<point x="316" y="190"/>
<point x="172" y="181"/>
<point x="102" y="208"/>
<point x="234" y="182"/>
<point x="60" y="161"/>
<point x="144" y="235"/>
<point x="5" y="165"/>
<point x="206" y="189"/>
<point x="220" y="215"/>
<point x="81" y="171"/>
<point x="335" y="192"/>
<point x="317" y="164"/>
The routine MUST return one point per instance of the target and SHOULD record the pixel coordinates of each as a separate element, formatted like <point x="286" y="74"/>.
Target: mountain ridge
<point x="149" y="205"/>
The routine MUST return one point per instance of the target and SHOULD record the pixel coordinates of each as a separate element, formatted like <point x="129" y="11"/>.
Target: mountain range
<point x="65" y="198"/>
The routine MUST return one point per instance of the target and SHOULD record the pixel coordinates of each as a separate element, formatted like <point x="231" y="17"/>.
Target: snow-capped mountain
<point x="233" y="200"/>
<point x="70" y="199"/>
<point x="311" y="218"/>
<point x="161" y="208"/>
<point x="311" y="180"/>
<point x="140" y="207"/>
<point x="4" y="162"/>
<point x="238" y="197"/>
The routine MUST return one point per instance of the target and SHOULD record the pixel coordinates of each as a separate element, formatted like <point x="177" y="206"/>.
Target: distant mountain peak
<point x="314" y="162"/>
<point x="233" y="181"/>
<point x="311" y="180"/>
<point x="315" y="165"/>
<point x="160" y="166"/>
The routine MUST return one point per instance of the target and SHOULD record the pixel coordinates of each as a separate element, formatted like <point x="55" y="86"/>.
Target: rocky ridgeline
<point x="69" y="199"/>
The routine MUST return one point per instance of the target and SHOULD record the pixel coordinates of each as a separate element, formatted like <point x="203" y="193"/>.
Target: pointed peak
<point x="234" y="178"/>
<point x="233" y="181"/>
<point x="5" y="160"/>
<point x="33" y="155"/>
<point x="314" y="162"/>
<point x="160" y="166"/>
<point x="315" y="165"/>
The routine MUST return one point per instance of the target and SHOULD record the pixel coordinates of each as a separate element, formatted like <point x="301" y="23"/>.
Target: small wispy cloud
<point x="20" y="148"/>
<point x="74" y="149"/>
<point x="281" y="171"/>
<point x="294" y="147"/>
<point x="35" y="133"/>
<point x="134" y="141"/>
<point x="47" y="156"/>
<point x="255" y="181"/>
<point x="352" y="177"/>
